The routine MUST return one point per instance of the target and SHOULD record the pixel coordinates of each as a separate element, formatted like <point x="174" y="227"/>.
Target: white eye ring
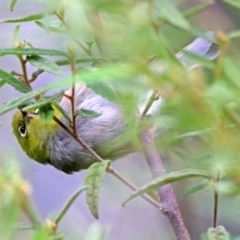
<point x="37" y="111"/>
<point x="23" y="131"/>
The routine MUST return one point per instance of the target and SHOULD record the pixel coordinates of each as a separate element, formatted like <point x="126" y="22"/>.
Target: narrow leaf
<point x="62" y="111"/>
<point x="12" y="5"/>
<point x="195" y="189"/>
<point x="104" y="90"/>
<point x="218" y="233"/>
<point x="8" y="78"/>
<point x="24" y="99"/>
<point x="46" y="113"/>
<point x="2" y="82"/>
<point x="234" y="3"/>
<point x="43" y="101"/>
<point x="25" y="19"/>
<point x="164" y="10"/>
<point x="15" y="35"/>
<point x="87" y="113"/>
<point x="31" y="51"/>
<point x="94" y="179"/>
<point x="168" y="178"/>
<point x="52" y="28"/>
<point x="44" y="64"/>
<point x="69" y="204"/>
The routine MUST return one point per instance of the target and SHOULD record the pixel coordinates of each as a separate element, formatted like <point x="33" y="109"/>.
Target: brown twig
<point x="110" y="169"/>
<point x="168" y="201"/>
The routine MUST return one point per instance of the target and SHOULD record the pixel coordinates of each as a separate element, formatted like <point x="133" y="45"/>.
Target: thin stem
<point x="131" y="186"/>
<point x="24" y="75"/>
<point x="69" y="204"/>
<point x="223" y="45"/>
<point x="72" y="99"/>
<point x="216" y="197"/>
<point x="98" y="31"/>
<point x="99" y="159"/>
<point x="86" y="50"/>
<point x="152" y="98"/>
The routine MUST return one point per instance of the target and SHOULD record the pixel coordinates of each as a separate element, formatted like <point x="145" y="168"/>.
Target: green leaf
<point x="69" y="204"/>
<point x="195" y="189"/>
<point x="43" y="101"/>
<point x="164" y="10"/>
<point x="234" y="34"/>
<point x="95" y="232"/>
<point x="12" y="5"/>
<point x="8" y="78"/>
<point x="2" y="82"/>
<point x="62" y="111"/>
<point x="24" y="99"/>
<point x="87" y="113"/>
<point x="94" y="179"/>
<point x="234" y="3"/>
<point x="53" y="28"/>
<point x="232" y="70"/>
<point x="25" y="19"/>
<point x="169" y="178"/>
<point x="104" y="90"/>
<point x="218" y="233"/>
<point x="44" y="64"/>
<point x="46" y="113"/>
<point x="15" y="35"/>
<point x="40" y="234"/>
<point x="31" y="51"/>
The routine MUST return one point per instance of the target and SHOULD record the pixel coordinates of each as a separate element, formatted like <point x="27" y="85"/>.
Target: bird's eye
<point x="22" y="130"/>
<point x="37" y="111"/>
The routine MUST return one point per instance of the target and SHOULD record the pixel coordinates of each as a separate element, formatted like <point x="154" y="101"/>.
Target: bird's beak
<point x="27" y="116"/>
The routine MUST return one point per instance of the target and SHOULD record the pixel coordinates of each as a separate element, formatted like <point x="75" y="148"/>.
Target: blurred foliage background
<point x="199" y="120"/>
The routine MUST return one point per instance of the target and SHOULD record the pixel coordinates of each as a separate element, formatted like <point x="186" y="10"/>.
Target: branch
<point x="168" y="201"/>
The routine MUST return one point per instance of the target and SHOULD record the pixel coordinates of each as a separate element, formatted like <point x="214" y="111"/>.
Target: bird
<point x="50" y="144"/>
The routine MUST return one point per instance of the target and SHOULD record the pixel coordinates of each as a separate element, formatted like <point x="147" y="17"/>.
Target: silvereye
<point x="51" y="144"/>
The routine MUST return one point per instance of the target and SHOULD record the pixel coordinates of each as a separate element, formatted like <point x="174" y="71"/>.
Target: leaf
<point x="23" y="99"/>
<point x="69" y="204"/>
<point x="40" y="234"/>
<point x="234" y="34"/>
<point x="51" y="27"/>
<point x="168" y="178"/>
<point x="44" y="64"/>
<point x="87" y="113"/>
<point x="8" y="78"/>
<point x="195" y="189"/>
<point x="43" y="101"/>
<point x="46" y="113"/>
<point x="94" y="179"/>
<point x="15" y="35"/>
<point x="25" y="19"/>
<point x="95" y="232"/>
<point x="104" y="90"/>
<point x="164" y="10"/>
<point x="62" y="111"/>
<point x="12" y="5"/>
<point x="31" y="51"/>
<point x="234" y="3"/>
<point x="218" y="233"/>
<point x="2" y="82"/>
